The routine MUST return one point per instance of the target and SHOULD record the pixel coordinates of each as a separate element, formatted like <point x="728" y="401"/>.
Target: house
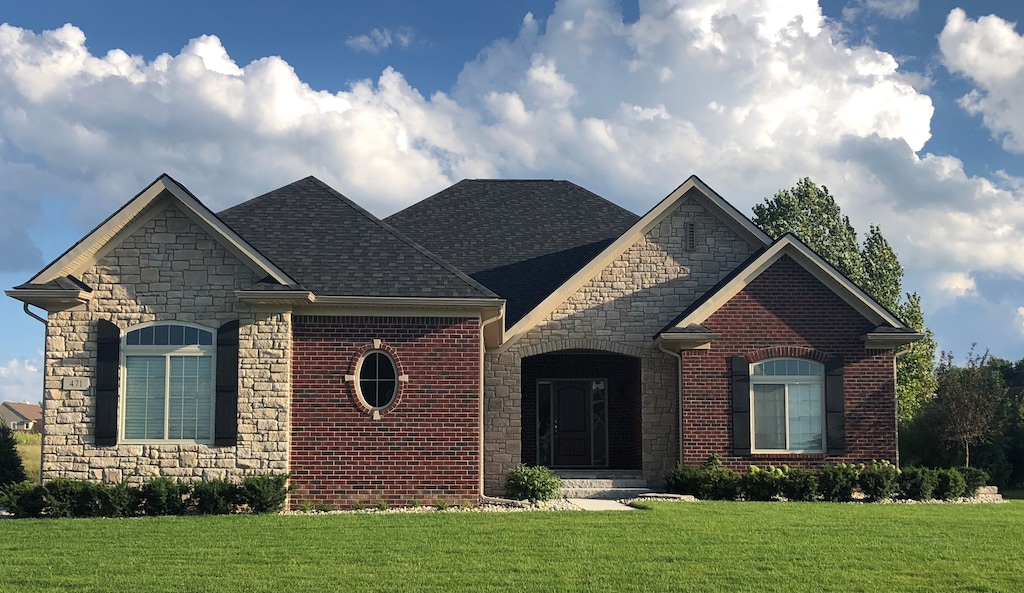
<point x="21" y="416"/>
<point x="420" y="357"/>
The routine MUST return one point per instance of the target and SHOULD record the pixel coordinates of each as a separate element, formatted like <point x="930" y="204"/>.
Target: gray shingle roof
<point x="520" y="238"/>
<point x="333" y="247"/>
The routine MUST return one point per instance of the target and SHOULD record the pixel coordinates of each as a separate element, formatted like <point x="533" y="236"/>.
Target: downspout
<point x="679" y="396"/>
<point x="33" y="315"/>
<point x="480" y="418"/>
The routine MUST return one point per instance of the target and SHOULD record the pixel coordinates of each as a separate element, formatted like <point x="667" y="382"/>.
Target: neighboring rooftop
<point x="520" y="238"/>
<point x="331" y="246"/>
<point x="29" y="412"/>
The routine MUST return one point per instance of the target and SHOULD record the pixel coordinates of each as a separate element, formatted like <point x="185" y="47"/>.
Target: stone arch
<point x="582" y="344"/>
<point x="786" y="352"/>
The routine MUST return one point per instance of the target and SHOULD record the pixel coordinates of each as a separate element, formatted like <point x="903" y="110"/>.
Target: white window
<point x="377" y="379"/>
<point x="788" y="403"/>
<point x="168" y="383"/>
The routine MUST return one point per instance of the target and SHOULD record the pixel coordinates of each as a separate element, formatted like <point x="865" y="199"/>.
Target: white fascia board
<point x="51" y="300"/>
<point x="727" y="213"/>
<point x="97" y="243"/>
<point x="810" y="261"/>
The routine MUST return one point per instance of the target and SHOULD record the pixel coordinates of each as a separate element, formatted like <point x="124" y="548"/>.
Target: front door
<point x="571" y="403"/>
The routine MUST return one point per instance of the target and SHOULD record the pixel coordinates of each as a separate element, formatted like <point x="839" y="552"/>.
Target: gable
<point x="667" y="223"/>
<point x="882" y="329"/>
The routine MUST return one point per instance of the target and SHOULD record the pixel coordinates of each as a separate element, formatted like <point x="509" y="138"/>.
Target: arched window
<point x="787" y="405"/>
<point x="169" y="383"/>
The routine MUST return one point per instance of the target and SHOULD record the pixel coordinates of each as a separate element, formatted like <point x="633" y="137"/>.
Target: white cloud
<point x="956" y="284"/>
<point x="891" y="9"/>
<point x="990" y="53"/>
<point x="378" y="40"/>
<point x="749" y="94"/>
<point x="21" y="380"/>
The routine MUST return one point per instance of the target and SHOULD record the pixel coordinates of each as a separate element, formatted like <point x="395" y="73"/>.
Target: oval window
<point x="377" y="379"/>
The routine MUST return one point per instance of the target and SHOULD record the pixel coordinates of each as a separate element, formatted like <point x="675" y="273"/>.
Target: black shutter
<point x="108" y="364"/>
<point x="835" y="407"/>
<point x="740" y="406"/>
<point x="225" y="428"/>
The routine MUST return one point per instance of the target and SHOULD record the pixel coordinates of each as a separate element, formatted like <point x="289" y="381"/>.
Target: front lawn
<point x="707" y="546"/>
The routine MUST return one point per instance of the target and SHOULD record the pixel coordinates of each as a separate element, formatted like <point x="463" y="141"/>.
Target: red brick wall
<point x="787" y="312"/>
<point x="425" y="449"/>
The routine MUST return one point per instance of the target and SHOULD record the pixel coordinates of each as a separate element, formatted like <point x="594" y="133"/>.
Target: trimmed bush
<point x="800" y="484"/>
<point x="762" y="484"/>
<point x="24" y="499"/>
<point x="837" y="481"/>
<point x="264" y="493"/>
<point x="684" y="479"/>
<point x="720" y="483"/>
<point x="918" y="483"/>
<point x="533" y="483"/>
<point x="950" y="484"/>
<point x="880" y="480"/>
<point x="214" y="497"/>
<point x="974" y="479"/>
<point x="164" y="496"/>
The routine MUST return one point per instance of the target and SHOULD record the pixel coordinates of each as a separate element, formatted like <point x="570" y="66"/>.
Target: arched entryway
<point x="581" y="409"/>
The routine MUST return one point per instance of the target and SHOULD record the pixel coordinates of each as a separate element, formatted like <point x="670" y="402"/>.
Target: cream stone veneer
<point x="619" y="310"/>
<point x="168" y="270"/>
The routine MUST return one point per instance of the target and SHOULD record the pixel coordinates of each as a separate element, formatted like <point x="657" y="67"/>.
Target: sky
<point x="910" y="112"/>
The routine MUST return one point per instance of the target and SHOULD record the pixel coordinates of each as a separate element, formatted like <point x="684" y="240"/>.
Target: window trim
<point x="376" y="345"/>
<point x="168" y="351"/>
<point x="358" y="380"/>
<point x="786" y="381"/>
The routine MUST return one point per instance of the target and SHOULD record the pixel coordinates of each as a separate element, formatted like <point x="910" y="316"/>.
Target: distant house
<point x="22" y="416"/>
<point x="420" y="357"/>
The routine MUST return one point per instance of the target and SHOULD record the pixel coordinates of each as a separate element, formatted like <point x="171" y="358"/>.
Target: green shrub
<point x="974" y="478"/>
<point x="164" y="496"/>
<point x="720" y="483"/>
<point x="65" y="497"/>
<point x="11" y="469"/>
<point x="264" y="493"/>
<point x="382" y="505"/>
<point x="762" y="484"/>
<point x="800" y="484"/>
<point x="24" y="499"/>
<point x="950" y="484"/>
<point x="684" y="479"/>
<point x="918" y="483"/>
<point x="880" y="480"/>
<point x="119" y="500"/>
<point x="533" y="483"/>
<point x="214" y="497"/>
<point x="837" y="481"/>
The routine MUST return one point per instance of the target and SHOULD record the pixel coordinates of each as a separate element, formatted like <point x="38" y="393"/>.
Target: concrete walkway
<point x="596" y="504"/>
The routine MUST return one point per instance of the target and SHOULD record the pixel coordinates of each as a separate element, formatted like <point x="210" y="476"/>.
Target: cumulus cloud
<point x="749" y="94"/>
<point x="891" y="9"/>
<point x="990" y="53"/>
<point x="21" y="380"/>
<point x="956" y="284"/>
<point x="378" y="40"/>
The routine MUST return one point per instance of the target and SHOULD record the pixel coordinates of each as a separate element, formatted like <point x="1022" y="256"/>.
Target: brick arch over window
<point x="352" y="379"/>
<point x="755" y="356"/>
<point x="582" y="344"/>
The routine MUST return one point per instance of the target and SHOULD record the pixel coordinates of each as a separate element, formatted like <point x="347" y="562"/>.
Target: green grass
<point x="788" y="547"/>
<point x="30" y="447"/>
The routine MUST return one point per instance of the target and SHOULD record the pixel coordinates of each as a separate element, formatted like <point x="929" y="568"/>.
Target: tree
<point x="811" y="213"/>
<point x="967" y="400"/>
<point x="11" y="469"/>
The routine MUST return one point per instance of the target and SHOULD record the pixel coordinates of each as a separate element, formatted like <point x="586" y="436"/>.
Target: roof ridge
<point x="402" y="237"/>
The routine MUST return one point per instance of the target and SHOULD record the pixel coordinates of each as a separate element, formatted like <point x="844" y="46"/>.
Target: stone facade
<point x="170" y="269"/>
<point x="620" y="310"/>
<point x="423" y="448"/>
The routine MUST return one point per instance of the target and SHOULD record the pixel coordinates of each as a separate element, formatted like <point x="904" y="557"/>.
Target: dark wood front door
<point x="572" y="423"/>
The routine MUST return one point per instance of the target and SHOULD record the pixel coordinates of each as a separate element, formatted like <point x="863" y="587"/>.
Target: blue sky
<point x="912" y="113"/>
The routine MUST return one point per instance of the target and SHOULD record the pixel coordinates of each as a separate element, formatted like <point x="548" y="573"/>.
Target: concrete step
<point x="989" y="494"/>
<point x="602" y="493"/>
<point x="606" y="474"/>
<point x="605" y="483"/>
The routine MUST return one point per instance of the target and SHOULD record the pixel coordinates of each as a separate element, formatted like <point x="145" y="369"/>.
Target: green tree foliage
<point x="11" y="469"/>
<point x="967" y="401"/>
<point x="811" y="213"/>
